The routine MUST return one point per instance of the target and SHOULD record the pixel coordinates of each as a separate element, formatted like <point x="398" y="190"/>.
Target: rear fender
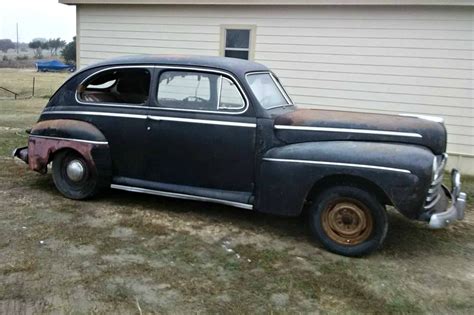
<point x="399" y="174"/>
<point x="50" y="136"/>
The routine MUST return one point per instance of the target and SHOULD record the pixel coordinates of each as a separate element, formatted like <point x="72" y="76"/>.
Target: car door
<point x="116" y="100"/>
<point x="201" y="132"/>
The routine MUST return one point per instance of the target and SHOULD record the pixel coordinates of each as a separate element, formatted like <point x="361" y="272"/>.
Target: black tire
<point x="348" y="221"/>
<point x="85" y="187"/>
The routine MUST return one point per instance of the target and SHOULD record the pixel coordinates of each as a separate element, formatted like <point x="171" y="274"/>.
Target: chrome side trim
<point x="70" y="139"/>
<point x="135" y="116"/>
<point x="158" y="118"/>
<point x="350" y="130"/>
<point x="204" y="121"/>
<point x="383" y="168"/>
<point x="181" y="196"/>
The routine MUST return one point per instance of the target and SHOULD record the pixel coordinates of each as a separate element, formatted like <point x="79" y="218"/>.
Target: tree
<point x="38" y="47"/>
<point x="44" y="45"/>
<point x="38" y="44"/>
<point x="69" y="52"/>
<point x="54" y="44"/>
<point x="6" y="44"/>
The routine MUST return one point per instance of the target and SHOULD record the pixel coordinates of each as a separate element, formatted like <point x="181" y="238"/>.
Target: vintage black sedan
<point x="224" y="130"/>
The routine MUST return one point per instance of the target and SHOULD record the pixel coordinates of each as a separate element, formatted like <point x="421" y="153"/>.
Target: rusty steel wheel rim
<point x="347" y="222"/>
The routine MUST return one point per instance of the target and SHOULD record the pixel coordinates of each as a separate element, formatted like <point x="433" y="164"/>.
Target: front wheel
<point x="73" y="176"/>
<point x="348" y="221"/>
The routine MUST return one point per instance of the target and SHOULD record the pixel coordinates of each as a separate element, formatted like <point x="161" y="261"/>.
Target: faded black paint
<point x="226" y="162"/>
<point x="433" y="134"/>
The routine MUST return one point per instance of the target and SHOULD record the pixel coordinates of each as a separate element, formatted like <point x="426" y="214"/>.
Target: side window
<point x="187" y="90"/>
<point x="198" y="91"/>
<point x="230" y="96"/>
<point x="116" y="86"/>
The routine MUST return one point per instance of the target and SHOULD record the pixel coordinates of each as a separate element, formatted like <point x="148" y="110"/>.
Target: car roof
<point x="232" y="65"/>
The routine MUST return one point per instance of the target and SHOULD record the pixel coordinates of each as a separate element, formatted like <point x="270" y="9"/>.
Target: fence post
<point x="33" y="92"/>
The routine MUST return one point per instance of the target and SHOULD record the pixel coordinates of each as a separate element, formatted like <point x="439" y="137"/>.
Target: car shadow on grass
<point x="292" y="227"/>
<point x="405" y="238"/>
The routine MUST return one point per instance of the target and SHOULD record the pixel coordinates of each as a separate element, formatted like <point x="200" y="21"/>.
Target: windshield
<point x="267" y="90"/>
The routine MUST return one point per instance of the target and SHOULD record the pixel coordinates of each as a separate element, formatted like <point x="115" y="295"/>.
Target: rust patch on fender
<point x="333" y="118"/>
<point x="68" y="128"/>
<point x="40" y="151"/>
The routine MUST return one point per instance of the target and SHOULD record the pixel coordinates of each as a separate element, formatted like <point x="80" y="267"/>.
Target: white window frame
<point x="252" y="39"/>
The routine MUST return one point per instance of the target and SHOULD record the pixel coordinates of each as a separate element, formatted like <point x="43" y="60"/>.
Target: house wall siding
<point x="416" y="60"/>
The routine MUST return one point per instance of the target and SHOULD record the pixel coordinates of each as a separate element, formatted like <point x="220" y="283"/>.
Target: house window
<point x="238" y="42"/>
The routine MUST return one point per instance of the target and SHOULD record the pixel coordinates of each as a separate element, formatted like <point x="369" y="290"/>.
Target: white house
<point x="384" y="56"/>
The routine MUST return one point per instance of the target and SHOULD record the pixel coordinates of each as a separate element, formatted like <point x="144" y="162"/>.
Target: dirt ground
<point x="131" y="253"/>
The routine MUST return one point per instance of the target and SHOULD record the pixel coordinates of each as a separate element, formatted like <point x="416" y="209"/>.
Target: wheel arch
<point x="399" y="174"/>
<point x="52" y="154"/>
<point x="348" y="180"/>
<point x="333" y="180"/>
<point x="48" y="137"/>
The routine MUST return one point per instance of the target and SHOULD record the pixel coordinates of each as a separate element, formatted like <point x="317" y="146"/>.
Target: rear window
<point x="116" y="86"/>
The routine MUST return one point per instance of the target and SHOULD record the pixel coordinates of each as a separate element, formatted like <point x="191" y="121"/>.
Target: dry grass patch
<point x="172" y="256"/>
<point x="21" y="82"/>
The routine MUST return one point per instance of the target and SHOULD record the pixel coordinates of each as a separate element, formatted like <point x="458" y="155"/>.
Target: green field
<point x="130" y="253"/>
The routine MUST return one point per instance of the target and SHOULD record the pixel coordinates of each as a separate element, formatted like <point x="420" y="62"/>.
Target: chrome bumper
<point x="456" y="209"/>
<point x="21" y="153"/>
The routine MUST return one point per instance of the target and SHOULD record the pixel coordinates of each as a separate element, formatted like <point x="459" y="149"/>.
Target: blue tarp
<point x="51" y="65"/>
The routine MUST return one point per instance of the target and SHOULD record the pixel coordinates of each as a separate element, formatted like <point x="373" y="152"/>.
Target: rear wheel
<point x="348" y="221"/>
<point x="73" y="176"/>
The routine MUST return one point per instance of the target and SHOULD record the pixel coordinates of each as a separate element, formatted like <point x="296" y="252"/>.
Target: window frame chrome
<point x="208" y="70"/>
<point x="127" y="105"/>
<point x="184" y="68"/>
<point x="219" y="95"/>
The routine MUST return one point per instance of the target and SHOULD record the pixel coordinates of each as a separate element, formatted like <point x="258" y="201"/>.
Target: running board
<point x="181" y="196"/>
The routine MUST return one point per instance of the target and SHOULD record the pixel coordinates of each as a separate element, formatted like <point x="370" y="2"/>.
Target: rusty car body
<point x="224" y="130"/>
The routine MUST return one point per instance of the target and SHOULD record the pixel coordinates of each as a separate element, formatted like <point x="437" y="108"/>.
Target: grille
<point x="438" y="172"/>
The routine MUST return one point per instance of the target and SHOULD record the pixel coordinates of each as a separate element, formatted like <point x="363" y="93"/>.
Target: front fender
<point x="289" y="173"/>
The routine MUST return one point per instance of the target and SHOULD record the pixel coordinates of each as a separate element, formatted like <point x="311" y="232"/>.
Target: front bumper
<point x="440" y="218"/>
<point x="21" y="153"/>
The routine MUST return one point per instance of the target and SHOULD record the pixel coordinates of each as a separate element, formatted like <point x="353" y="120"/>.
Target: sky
<point x="37" y="18"/>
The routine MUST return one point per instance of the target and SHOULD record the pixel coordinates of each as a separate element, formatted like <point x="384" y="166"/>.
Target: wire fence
<point x="27" y="83"/>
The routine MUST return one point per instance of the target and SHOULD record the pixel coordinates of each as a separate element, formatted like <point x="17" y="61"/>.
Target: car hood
<point x="304" y="125"/>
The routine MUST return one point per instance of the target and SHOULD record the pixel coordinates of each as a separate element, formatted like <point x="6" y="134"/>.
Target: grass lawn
<point x="124" y="252"/>
<point x="20" y="81"/>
